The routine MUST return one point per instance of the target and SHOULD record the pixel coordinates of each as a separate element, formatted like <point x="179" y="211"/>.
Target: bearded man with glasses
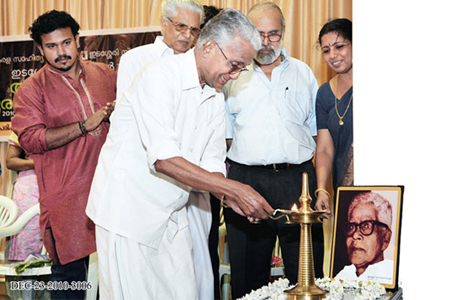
<point x="368" y="234"/>
<point x="271" y="125"/>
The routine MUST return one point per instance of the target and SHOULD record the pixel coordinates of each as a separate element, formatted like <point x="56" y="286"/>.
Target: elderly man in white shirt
<point x="167" y="137"/>
<point x="272" y="123"/>
<point x="180" y="25"/>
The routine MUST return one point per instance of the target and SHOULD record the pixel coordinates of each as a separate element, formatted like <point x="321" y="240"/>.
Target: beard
<point x="268" y="58"/>
<point x="67" y="67"/>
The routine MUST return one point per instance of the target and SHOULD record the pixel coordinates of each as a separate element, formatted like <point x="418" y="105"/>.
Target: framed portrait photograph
<point x="366" y="237"/>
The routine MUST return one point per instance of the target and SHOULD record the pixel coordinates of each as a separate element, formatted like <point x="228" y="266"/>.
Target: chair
<point x="8" y="211"/>
<point x="224" y="256"/>
<point x="11" y="225"/>
<point x="277" y="271"/>
<point x="92" y="277"/>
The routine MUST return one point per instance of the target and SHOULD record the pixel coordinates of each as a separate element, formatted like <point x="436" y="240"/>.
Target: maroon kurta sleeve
<point x="29" y="121"/>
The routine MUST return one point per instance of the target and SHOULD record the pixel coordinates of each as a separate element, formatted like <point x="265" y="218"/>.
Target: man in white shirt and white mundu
<point x="167" y="138"/>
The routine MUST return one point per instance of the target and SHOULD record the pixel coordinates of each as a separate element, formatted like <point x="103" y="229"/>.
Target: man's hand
<point x="60" y="136"/>
<point x="109" y="109"/>
<point x="242" y="198"/>
<point x="247" y="202"/>
<point x="101" y="115"/>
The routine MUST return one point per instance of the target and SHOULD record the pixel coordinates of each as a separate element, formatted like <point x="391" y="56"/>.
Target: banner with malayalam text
<point x="20" y="58"/>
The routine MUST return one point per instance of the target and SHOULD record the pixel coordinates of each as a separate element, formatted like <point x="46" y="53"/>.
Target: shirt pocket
<point x="294" y="107"/>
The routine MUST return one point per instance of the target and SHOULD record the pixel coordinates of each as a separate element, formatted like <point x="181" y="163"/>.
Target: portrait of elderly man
<point x="368" y="233"/>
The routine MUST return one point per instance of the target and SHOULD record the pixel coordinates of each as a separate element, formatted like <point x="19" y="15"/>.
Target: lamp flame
<point x="294" y="207"/>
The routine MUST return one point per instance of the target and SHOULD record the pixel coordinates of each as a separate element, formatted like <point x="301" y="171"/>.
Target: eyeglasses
<point x="180" y="27"/>
<point x="235" y="69"/>
<point x="273" y="37"/>
<point x="366" y="227"/>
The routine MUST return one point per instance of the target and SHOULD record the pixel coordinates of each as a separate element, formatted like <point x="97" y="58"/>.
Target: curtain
<point x="304" y="18"/>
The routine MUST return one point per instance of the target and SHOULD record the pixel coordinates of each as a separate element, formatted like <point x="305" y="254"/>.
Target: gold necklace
<point x="341" y="122"/>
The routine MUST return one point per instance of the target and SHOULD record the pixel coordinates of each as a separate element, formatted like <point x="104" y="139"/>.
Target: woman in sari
<point x="334" y="155"/>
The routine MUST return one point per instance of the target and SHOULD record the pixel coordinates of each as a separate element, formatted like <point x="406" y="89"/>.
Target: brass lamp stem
<point x="306" y="288"/>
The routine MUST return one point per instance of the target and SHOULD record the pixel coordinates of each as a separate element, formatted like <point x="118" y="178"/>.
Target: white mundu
<point x="165" y="114"/>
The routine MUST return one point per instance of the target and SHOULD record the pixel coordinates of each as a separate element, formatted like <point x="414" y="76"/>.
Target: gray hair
<point x="169" y="8"/>
<point x="381" y="205"/>
<point x="228" y="24"/>
<point x="268" y="5"/>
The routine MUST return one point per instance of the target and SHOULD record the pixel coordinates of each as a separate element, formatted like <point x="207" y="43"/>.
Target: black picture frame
<point x="339" y="255"/>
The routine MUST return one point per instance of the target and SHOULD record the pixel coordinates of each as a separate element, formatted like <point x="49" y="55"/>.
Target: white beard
<point x="267" y="59"/>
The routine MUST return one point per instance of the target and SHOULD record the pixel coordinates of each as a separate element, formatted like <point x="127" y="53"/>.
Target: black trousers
<point x="251" y="245"/>
<point x="65" y="275"/>
<point x="72" y="272"/>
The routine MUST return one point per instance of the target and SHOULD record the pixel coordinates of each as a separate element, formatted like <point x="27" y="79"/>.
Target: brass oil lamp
<point x="306" y="288"/>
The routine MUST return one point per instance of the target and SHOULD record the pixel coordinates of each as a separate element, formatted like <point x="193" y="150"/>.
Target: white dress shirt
<point x="133" y="60"/>
<point x="164" y="114"/>
<point x="272" y="121"/>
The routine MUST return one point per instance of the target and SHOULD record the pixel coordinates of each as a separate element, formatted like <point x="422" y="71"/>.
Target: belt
<point x="272" y="167"/>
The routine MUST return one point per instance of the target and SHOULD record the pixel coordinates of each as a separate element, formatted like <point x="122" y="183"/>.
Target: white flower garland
<point x="338" y="289"/>
<point x="351" y="289"/>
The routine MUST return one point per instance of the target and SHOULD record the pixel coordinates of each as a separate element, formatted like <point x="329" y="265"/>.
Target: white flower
<point x="363" y="290"/>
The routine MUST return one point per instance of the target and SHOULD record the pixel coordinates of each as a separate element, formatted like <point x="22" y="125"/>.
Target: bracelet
<point x="223" y="204"/>
<point x="322" y="190"/>
<point x="82" y="125"/>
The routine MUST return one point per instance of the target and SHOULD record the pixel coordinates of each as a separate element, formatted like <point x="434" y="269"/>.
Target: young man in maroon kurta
<point x="61" y="118"/>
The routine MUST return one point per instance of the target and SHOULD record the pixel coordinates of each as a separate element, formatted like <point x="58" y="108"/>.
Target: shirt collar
<point x="161" y="48"/>
<point x="286" y="60"/>
<point x="191" y="78"/>
<point x="285" y="54"/>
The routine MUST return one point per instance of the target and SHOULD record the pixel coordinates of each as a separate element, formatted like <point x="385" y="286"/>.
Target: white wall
<point x="401" y="131"/>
